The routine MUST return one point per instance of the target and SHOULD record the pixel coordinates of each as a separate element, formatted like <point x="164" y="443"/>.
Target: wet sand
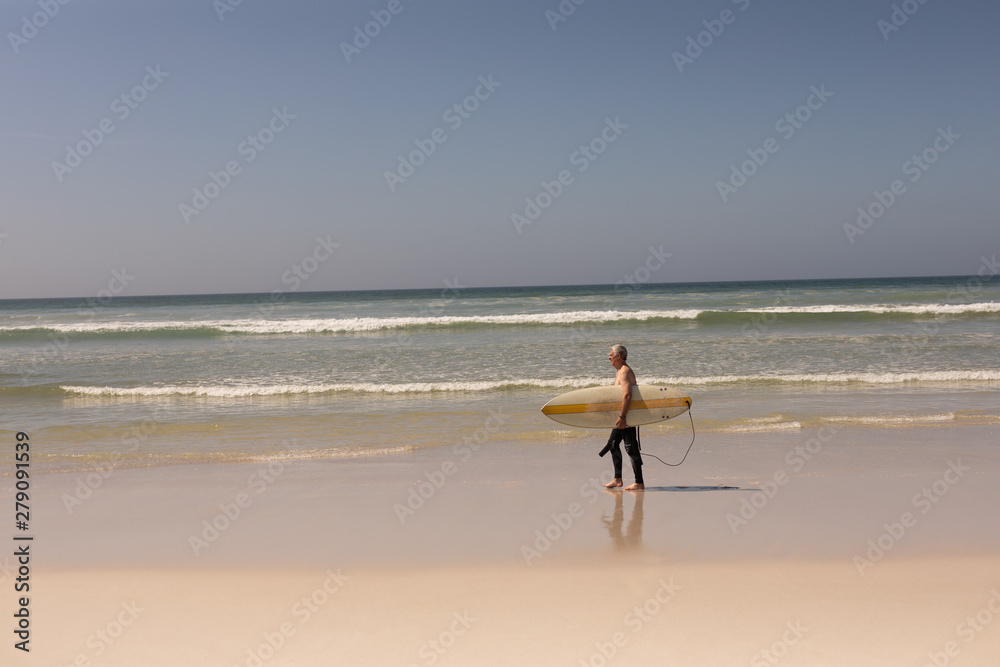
<point x="864" y="546"/>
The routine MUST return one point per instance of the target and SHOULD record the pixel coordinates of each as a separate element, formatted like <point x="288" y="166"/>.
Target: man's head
<point x="617" y="355"/>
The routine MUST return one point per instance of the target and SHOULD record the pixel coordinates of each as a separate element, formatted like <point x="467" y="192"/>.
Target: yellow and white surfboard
<point x="599" y="407"/>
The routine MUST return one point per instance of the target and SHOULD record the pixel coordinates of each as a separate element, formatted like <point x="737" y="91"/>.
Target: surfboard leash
<point x="672" y="465"/>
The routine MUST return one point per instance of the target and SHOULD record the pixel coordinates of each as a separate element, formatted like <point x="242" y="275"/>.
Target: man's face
<point x="612" y="357"/>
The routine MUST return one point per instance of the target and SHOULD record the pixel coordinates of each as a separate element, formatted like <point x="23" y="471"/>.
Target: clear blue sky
<point x="65" y="231"/>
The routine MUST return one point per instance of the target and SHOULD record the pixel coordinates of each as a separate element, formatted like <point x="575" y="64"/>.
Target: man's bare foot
<point x="635" y="487"/>
<point x="613" y="483"/>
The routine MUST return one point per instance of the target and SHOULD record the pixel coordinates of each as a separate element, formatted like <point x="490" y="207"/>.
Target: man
<point x="625" y="378"/>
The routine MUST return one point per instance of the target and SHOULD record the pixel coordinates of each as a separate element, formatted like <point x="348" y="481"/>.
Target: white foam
<point x="368" y="324"/>
<point x="893" y="419"/>
<point x="756" y="426"/>
<point x="250" y="390"/>
<point x="362" y="324"/>
<point x="833" y="378"/>
<point x="767" y="419"/>
<point x="336" y="453"/>
<point x="911" y="309"/>
<point x="244" y="391"/>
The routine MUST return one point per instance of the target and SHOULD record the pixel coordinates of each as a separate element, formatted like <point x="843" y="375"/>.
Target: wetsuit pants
<point x="631" y="448"/>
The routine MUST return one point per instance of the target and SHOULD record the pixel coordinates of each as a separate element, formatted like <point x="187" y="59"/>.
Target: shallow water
<point x="155" y="380"/>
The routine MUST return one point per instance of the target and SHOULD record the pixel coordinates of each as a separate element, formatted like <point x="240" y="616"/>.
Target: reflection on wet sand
<point x="632" y="538"/>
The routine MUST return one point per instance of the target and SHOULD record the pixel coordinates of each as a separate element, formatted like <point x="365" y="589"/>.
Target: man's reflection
<point x="632" y="539"/>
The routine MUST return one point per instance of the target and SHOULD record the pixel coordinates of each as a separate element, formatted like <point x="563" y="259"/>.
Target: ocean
<point x="147" y="381"/>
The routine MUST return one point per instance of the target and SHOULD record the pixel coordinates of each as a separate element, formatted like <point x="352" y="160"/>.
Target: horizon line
<point x="296" y="293"/>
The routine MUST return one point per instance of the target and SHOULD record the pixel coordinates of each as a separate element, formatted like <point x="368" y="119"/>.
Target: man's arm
<point x="626" y="401"/>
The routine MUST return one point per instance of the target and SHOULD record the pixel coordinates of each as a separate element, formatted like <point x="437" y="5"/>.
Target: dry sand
<point x="726" y="613"/>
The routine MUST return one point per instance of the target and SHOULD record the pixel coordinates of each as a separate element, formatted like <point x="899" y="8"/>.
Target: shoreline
<point x="117" y="433"/>
<point x="772" y="494"/>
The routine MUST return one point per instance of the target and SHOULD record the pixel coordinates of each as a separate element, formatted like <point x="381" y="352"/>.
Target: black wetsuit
<point x="631" y="448"/>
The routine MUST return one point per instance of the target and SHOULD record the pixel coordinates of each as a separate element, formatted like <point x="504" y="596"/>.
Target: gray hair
<point x="620" y="351"/>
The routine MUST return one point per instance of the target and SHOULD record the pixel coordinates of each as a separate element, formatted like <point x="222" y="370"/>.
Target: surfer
<point x="625" y="378"/>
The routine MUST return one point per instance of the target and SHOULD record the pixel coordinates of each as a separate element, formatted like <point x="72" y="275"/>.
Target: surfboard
<point x="599" y="407"/>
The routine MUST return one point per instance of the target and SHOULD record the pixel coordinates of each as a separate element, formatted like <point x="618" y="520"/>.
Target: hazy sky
<point x="739" y="135"/>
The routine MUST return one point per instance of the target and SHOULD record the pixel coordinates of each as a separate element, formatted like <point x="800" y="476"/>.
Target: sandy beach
<point x="797" y="612"/>
<point x="880" y="549"/>
<point x="286" y="288"/>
